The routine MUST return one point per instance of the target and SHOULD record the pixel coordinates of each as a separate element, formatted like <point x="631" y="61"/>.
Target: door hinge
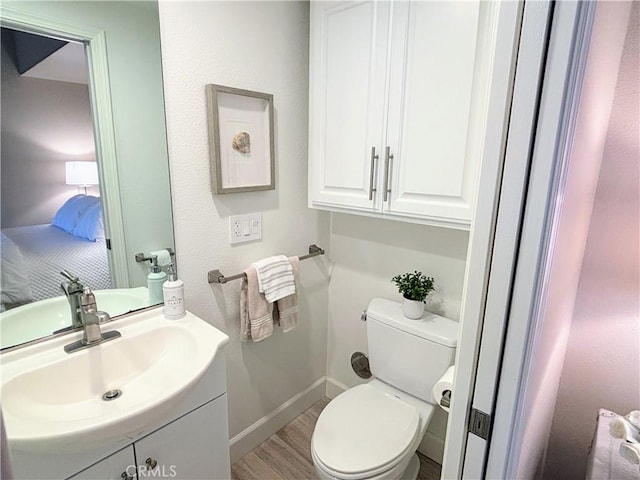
<point x="480" y="423"/>
<point x="108" y="244"/>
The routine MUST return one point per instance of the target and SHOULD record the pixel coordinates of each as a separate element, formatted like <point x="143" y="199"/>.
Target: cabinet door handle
<point x="387" y="166"/>
<point x="374" y="157"/>
<point x="151" y="463"/>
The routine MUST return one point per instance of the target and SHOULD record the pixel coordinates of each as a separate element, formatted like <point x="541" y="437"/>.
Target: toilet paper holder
<point x="141" y="257"/>
<point x="445" y="401"/>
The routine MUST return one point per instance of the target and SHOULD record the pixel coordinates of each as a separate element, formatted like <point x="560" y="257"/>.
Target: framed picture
<point x="240" y="139"/>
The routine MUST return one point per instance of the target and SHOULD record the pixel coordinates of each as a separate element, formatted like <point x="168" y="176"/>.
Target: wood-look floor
<point x="286" y="455"/>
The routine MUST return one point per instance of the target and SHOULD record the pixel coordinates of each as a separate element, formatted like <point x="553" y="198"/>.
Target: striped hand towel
<point x="275" y="277"/>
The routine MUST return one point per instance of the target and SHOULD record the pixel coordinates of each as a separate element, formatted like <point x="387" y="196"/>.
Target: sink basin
<point x="42" y="318"/>
<point x="51" y="399"/>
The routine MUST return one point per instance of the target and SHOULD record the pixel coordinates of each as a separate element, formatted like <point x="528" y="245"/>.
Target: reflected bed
<point x="38" y="253"/>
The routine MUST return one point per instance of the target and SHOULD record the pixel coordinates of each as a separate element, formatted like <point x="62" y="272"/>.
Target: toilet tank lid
<point x="431" y="327"/>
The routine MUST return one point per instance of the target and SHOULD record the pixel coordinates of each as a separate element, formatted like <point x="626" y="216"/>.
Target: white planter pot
<point x="412" y="309"/>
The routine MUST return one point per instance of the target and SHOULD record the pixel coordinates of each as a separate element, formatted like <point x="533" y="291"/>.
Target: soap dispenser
<point x="155" y="281"/>
<point x="173" y="291"/>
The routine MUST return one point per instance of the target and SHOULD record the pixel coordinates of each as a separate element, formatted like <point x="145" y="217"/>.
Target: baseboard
<point x="334" y="387"/>
<point x="255" y="434"/>
<point x="432" y="447"/>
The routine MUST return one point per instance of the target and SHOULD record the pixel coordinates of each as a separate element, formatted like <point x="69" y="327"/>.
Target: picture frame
<point x="241" y="139"/>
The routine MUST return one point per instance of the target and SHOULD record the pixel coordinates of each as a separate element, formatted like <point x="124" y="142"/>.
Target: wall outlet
<point x="245" y="228"/>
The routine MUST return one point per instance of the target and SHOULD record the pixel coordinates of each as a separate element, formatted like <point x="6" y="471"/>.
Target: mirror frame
<point x="94" y="40"/>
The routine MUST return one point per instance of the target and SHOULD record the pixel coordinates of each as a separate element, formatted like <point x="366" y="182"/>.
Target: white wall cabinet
<point x="399" y="98"/>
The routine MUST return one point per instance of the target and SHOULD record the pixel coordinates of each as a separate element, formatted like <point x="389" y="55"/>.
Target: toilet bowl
<point x="372" y="431"/>
<point x="369" y="432"/>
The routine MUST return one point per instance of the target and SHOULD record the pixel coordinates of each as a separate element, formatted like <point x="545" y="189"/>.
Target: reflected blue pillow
<point x="90" y="225"/>
<point x="69" y="213"/>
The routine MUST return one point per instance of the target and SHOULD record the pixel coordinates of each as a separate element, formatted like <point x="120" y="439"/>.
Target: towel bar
<point x="216" y="276"/>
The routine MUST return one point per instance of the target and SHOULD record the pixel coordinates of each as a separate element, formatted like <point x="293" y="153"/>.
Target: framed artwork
<point x="240" y="139"/>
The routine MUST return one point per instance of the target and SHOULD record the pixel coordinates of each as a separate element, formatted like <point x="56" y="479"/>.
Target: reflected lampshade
<point x="81" y="173"/>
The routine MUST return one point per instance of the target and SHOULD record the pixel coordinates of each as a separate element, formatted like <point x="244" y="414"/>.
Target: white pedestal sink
<point x="54" y="400"/>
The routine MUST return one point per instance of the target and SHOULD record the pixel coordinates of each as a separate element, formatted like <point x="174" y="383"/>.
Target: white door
<point x="480" y="446"/>
<point x="348" y="54"/>
<point x="440" y="70"/>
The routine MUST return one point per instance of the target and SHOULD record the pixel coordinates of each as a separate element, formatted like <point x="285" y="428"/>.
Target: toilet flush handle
<point x="363" y="317"/>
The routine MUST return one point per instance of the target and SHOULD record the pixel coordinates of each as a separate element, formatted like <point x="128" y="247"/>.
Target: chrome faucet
<point x="73" y="290"/>
<point x="91" y="318"/>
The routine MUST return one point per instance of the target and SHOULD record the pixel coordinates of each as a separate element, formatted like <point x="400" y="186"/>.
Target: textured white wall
<point x="261" y="46"/>
<point x="44" y="123"/>
<point x="366" y="253"/>
<point x="602" y="363"/>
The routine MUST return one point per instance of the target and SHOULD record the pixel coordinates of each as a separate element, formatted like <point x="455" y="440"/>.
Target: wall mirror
<point x="61" y="123"/>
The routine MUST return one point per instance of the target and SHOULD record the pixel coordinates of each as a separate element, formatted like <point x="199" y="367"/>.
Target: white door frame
<point x="94" y="39"/>
<point x="505" y="289"/>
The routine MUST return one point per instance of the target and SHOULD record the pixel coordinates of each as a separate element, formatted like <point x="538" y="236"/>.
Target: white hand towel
<point x="621" y="428"/>
<point x="275" y="277"/>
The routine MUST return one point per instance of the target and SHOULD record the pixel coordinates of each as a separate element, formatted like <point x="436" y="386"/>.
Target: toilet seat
<point x="364" y="432"/>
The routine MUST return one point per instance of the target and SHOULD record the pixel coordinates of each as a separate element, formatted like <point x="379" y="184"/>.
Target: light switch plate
<point x="245" y="228"/>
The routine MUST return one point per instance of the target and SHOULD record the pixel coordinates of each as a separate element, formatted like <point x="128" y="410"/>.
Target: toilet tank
<point x="410" y="355"/>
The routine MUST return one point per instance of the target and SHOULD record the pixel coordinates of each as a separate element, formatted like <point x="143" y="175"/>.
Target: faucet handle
<point x="69" y="276"/>
<point x="88" y="299"/>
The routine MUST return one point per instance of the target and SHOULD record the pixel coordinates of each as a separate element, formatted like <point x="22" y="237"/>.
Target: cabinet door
<point x="195" y="446"/>
<point x="440" y="70"/>
<point x="348" y="55"/>
<point x="119" y="466"/>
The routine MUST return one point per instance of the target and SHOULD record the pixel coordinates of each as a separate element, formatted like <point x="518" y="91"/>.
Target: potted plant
<point x="414" y="287"/>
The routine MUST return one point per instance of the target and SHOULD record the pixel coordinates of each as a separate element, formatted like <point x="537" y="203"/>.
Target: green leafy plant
<point x="414" y="286"/>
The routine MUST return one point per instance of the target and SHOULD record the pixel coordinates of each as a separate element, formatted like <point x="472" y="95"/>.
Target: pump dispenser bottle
<point x="155" y="281"/>
<point x="173" y="291"/>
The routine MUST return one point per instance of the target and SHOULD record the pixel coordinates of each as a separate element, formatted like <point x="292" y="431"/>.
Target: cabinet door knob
<point x="126" y="476"/>
<point x="151" y="463"/>
<point x="387" y="166"/>
<point x="374" y="157"/>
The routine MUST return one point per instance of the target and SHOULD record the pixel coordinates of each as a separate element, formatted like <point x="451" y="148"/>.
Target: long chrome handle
<point x="388" y="156"/>
<point x="374" y="157"/>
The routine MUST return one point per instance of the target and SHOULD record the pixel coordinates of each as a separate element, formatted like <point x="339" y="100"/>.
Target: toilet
<point x="372" y="431"/>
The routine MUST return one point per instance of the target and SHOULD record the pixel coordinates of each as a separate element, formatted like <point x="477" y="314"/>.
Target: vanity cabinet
<point x="399" y="102"/>
<point x="188" y="440"/>
<point x="193" y="446"/>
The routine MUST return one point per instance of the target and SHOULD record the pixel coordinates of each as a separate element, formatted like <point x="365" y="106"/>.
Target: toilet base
<point x="411" y="473"/>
